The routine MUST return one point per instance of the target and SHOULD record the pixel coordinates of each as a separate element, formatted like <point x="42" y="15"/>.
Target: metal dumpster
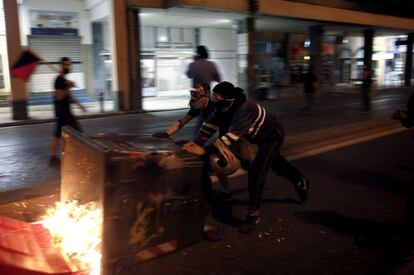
<point x="149" y="191"/>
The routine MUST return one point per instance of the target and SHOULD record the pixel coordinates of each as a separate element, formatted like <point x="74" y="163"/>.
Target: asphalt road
<point x="24" y="150"/>
<point x="351" y="224"/>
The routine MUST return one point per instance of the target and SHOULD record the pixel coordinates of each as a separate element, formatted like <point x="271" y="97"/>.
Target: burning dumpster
<point x="149" y="191"/>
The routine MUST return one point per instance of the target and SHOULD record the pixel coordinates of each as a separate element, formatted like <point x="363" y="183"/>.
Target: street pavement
<point x="24" y="150"/>
<point x="353" y="222"/>
<point x="359" y="165"/>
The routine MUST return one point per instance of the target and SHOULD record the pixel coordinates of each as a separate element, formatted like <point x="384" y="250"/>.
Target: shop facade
<point x="133" y="55"/>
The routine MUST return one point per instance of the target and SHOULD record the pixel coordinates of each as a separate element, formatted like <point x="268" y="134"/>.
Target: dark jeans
<point x="268" y="156"/>
<point x="207" y="187"/>
<point x="308" y="100"/>
<point x="366" y="104"/>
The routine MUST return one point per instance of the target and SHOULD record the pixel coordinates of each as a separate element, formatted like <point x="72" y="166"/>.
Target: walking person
<point x="62" y="102"/>
<point x="366" y="89"/>
<point x="202" y="71"/>
<point x="253" y="122"/>
<point x="309" y="80"/>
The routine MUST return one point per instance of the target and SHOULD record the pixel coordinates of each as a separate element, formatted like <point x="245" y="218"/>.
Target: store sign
<point x="54" y="23"/>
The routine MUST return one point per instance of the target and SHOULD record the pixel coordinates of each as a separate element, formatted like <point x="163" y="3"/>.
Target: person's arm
<point x="241" y="124"/>
<point x="216" y="74"/>
<point x="73" y="100"/>
<point x="208" y="128"/>
<point x="176" y="126"/>
<point x="190" y="71"/>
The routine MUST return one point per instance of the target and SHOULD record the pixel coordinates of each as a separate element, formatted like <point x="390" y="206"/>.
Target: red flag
<point x="28" y="249"/>
<point x="25" y="65"/>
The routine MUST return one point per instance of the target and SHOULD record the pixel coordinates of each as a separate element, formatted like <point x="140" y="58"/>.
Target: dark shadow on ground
<point x="396" y="241"/>
<point x="366" y="233"/>
<point x="223" y="210"/>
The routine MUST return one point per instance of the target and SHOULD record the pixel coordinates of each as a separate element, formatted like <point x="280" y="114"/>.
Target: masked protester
<point x="201" y="106"/>
<point x="62" y="102"/>
<point x="252" y="122"/>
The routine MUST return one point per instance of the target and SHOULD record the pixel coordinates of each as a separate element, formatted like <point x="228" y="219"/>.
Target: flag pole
<point x="53" y="68"/>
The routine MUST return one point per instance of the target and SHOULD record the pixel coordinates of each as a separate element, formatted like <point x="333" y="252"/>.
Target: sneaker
<point x="250" y="223"/>
<point x="302" y="188"/>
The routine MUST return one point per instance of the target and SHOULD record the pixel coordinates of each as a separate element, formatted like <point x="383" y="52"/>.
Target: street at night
<point x="360" y="169"/>
<point x="268" y="137"/>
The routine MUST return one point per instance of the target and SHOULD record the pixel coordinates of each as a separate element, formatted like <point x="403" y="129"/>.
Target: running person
<point x="63" y="113"/>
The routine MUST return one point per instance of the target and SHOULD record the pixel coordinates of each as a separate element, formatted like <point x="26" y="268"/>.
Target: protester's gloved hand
<point x="161" y="135"/>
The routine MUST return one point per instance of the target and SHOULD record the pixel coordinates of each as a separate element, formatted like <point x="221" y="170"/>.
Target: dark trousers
<point x="366" y="104"/>
<point x="207" y="187"/>
<point x="268" y="156"/>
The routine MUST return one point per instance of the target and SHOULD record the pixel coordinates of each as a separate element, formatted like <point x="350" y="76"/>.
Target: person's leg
<point x="211" y="232"/>
<point x="308" y="100"/>
<point x="365" y="100"/>
<point x="246" y="153"/>
<point x="257" y="178"/>
<point x="282" y="167"/>
<point x="54" y="144"/>
<point x="73" y="122"/>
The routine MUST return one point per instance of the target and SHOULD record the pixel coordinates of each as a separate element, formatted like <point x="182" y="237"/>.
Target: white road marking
<point x="326" y="148"/>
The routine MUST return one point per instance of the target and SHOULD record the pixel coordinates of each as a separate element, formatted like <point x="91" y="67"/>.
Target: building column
<point x="408" y="73"/>
<point x="315" y="52"/>
<point x="135" y="94"/>
<point x="250" y="57"/>
<point x="336" y="59"/>
<point x="14" y="50"/>
<point x="368" y="47"/>
<point x="121" y="63"/>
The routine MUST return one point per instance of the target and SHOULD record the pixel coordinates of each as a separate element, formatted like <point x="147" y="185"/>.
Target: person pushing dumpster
<point x="253" y="122"/>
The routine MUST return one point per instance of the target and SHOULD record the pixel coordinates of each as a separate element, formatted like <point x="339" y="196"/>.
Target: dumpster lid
<point x="133" y="143"/>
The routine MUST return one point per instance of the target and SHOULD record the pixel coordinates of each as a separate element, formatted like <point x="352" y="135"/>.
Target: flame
<point x="76" y="230"/>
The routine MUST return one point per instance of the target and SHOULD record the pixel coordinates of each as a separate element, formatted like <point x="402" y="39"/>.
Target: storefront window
<point x="56" y="29"/>
<point x="389" y="56"/>
<point x="270" y="63"/>
<point x="168" y="46"/>
<point x="298" y="56"/>
<point x="4" y="78"/>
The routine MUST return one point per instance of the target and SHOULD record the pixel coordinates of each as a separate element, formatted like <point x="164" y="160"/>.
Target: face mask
<point x="223" y="106"/>
<point x="66" y="71"/>
<point x="199" y="103"/>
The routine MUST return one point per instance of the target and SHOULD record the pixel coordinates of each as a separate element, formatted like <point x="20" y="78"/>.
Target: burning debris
<point x="124" y="199"/>
<point x="76" y="231"/>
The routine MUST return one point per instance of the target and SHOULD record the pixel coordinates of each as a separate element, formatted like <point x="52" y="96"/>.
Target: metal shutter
<point x="51" y="49"/>
<point x="170" y="73"/>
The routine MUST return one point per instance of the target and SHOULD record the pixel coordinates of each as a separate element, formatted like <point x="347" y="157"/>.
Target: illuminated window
<point x="2" y="85"/>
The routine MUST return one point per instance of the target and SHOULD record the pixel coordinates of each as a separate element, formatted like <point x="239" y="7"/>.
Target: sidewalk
<point x="45" y="113"/>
